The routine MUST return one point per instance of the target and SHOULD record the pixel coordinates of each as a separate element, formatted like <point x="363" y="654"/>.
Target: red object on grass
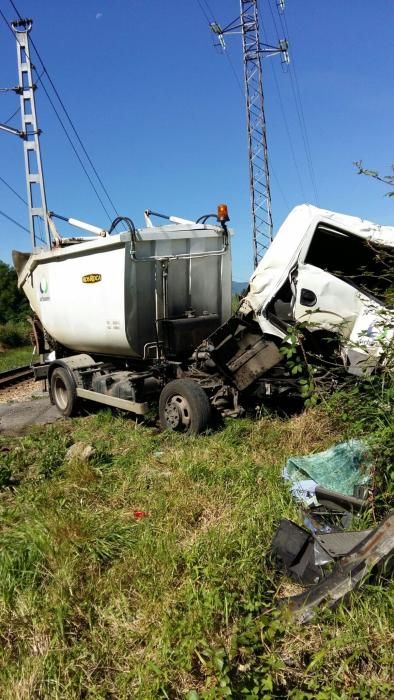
<point x="139" y="514"/>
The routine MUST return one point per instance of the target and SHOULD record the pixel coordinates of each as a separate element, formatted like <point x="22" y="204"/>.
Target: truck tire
<point x="184" y="407"/>
<point x="63" y="391"/>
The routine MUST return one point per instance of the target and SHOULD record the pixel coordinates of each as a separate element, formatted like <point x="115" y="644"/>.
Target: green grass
<point x="15" y="357"/>
<point x="181" y="603"/>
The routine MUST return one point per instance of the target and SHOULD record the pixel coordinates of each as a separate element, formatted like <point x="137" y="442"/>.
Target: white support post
<point x="36" y="198"/>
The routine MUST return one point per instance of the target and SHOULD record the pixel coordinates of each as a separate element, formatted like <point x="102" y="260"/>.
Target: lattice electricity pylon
<point x="36" y="198"/>
<point x="259" y="177"/>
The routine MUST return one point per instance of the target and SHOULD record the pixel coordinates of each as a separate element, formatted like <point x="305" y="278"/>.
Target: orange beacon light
<point x="223" y="213"/>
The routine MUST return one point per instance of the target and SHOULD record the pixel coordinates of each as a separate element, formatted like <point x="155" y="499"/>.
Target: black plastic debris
<point x="292" y="549"/>
<point x="374" y="553"/>
<point x="303" y="554"/>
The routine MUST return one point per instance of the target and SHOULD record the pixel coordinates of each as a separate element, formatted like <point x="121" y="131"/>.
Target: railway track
<point x="10" y="377"/>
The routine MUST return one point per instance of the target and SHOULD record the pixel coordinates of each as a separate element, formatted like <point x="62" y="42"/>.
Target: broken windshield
<point x="360" y="262"/>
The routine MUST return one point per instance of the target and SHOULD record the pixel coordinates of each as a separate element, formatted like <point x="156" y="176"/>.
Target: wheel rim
<point x="177" y="413"/>
<point x="60" y="393"/>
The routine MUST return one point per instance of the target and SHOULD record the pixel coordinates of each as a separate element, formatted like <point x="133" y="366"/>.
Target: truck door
<point x="338" y="284"/>
<point x="324" y="296"/>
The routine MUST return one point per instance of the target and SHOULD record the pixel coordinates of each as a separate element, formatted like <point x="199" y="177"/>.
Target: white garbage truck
<point x="118" y="317"/>
<point x="142" y="317"/>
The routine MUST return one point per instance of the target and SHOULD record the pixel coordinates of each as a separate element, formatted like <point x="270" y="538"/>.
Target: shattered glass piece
<point x="340" y="468"/>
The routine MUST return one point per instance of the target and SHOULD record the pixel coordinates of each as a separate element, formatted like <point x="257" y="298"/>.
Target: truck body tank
<point x="120" y="294"/>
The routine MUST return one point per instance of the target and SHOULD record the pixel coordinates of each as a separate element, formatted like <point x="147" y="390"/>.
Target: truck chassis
<point x="232" y="367"/>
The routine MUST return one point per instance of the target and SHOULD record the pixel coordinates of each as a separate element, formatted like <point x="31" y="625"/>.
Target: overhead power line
<point x="75" y="151"/>
<point x="12" y="190"/>
<point x="203" y="11"/>
<point x="234" y="72"/>
<point x="6" y="121"/>
<point x="288" y="132"/>
<point x="209" y="9"/>
<point x="5" y="19"/>
<point x="297" y="100"/>
<point x="285" y="120"/>
<point x="73" y="127"/>
<point x="6" y="216"/>
<point x="304" y="134"/>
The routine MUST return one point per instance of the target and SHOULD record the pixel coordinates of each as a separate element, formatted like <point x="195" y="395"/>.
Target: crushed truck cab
<point x="327" y="272"/>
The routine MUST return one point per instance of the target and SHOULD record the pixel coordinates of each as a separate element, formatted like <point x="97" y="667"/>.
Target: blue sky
<point x="163" y="117"/>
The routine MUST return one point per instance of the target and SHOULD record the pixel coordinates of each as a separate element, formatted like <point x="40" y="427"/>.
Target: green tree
<point x="13" y="303"/>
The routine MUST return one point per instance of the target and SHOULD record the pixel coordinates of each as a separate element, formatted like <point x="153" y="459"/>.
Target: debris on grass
<point x="303" y="555"/>
<point x="338" y="470"/>
<point x="140" y="514"/>
<point x="327" y="556"/>
<point x="376" y="550"/>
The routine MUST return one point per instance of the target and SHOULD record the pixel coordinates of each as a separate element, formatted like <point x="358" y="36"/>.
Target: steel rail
<point x="15" y="375"/>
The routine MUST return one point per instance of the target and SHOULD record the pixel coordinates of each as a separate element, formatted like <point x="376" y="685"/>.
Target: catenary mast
<point x="30" y="133"/>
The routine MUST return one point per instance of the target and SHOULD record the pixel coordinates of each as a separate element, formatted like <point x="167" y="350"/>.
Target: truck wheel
<point x="63" y="391"/>
<point x="184" y="407"/>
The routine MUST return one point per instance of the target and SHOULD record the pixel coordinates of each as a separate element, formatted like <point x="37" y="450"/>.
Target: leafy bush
<point x="14" y="334"/>
<point x="13" y="303"/>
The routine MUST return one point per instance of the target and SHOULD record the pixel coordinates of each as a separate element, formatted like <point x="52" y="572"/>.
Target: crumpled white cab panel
<point x="284" y="250"/>
<point x="339" y="305"/>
